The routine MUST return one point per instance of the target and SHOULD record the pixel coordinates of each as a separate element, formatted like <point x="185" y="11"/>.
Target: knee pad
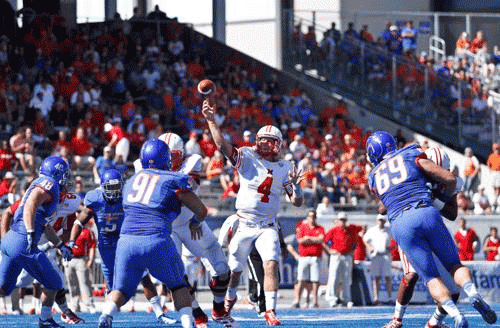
<point x="219" y="284"/>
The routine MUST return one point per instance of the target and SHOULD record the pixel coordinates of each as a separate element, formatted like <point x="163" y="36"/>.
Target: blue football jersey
<point x="399" y="182"/>
<point x="109" y="216"/>
<point x="150" y="201"/>
<point x="43" y="212"/>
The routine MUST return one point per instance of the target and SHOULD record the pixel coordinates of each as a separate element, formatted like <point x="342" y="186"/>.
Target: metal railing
<point x="396" y="87"/>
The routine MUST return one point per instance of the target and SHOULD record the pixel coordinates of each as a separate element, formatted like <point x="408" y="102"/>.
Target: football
<point x="205" y="87"/>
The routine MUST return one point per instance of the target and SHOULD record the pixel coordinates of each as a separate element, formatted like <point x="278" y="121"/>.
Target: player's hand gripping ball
<point x="205" y="87"/>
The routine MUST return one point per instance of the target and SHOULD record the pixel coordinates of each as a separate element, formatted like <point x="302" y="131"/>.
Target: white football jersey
<point x="60" y="219"/>
<point x="261" y="184"/>
<point x="192" y="166"/>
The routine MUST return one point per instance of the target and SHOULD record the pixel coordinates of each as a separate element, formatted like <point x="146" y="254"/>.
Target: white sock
<point x="271" y="299"/>
<point x="155" y="303"/>
<point x="451" y="308"/>
<point x="187" y="319"/>
<point x="163" y="300"/>
<point x="231" y="293"/>
<point x="436" y="317"/>
<point x="46" y="313"/>
<point x="2" y="301"/>
<point x="470" y="289"/>
<point x="399" y="310"/>
<point x="109" y="308"/>
<point x="35" y="302"/>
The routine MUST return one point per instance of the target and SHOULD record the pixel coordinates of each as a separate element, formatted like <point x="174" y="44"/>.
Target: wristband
<point x="78" y="223"/>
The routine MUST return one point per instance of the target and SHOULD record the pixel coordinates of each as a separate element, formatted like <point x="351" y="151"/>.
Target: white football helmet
<point x="273" y="132"/>
<point x="176" y="146"/>
<point x="438" y="157"/>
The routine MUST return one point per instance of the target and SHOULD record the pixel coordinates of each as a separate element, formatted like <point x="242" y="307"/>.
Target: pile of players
<point x="143" y="222"/>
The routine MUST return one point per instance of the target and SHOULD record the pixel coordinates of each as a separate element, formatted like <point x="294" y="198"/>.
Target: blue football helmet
<point x="112" y="184"/>
<point x="378" y="145"/>
<point x="155" y="154"/>
<point x="56" y="168"/>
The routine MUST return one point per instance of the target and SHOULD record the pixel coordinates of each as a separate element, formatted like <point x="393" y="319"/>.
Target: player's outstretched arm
<point x="82" y="218"/>
<point x="209" y="113"/>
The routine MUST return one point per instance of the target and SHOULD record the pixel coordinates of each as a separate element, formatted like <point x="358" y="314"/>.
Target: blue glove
<point x="31" y="247"/>
<point x="66" y="252"/>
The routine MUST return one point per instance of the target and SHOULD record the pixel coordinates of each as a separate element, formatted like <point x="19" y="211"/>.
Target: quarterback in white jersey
<point x="263" y="177"/>
<point x="203" y="244"/>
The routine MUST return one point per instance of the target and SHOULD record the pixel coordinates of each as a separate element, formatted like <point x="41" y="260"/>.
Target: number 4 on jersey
<point x="265" y="189"/>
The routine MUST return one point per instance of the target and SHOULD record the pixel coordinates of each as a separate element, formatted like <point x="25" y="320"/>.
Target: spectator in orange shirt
<point x="466" y="240"/>
<point x="365" y="35"/>
<point x="470" y="172"/>
<point x="494" y="165"/>
<point x="492" y="245"/>
<point x="215" y="167"/>
<point x="82" y="149"/>
<point x="462" y="47"/>
<point x="479" y="45"/>
<point x="60" y="142"/>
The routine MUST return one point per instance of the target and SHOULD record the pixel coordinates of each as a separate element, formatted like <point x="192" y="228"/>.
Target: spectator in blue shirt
<point x="386" y="32"/>
<point x="409" y="37"/>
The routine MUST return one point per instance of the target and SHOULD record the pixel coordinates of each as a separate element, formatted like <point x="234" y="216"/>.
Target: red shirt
<point x="305" y="229"/>
<point x="342" y="239"/>
<point x="6" y="157"/>
<point x="464" y="243"/>
<point x="13" y="207"/>
<point x="360" y="250"/>
<point x="80" y="147"/>
<point x="118" y="131"/>
<point x="4" y="187"/>
<point x="208" y="147"/>
<point x="84" y="242"/>
<point x="490" y="255"/>
<point x="394" y="250"/>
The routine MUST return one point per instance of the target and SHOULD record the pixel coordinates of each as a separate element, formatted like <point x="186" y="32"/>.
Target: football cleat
<point x="438" y="325"/>
<point x="3" y="310"/>
<point x="200" y="318"/>
<point x="223" y="318"/>
<point x="394" y="323"/>
<point x="229" y="303"/>
<point x="105" y="321"/>
<point x="272" y="318"/>
<point x="484" y="309"/>
<point x="50" y="323"/>
<point x="461" y="322"/>
<point x="165" y="319"/>
<point x="71" y="318"/>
